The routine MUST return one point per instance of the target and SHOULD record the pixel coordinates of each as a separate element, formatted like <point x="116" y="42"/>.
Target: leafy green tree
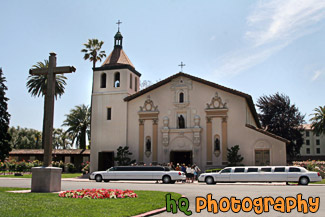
<point x="93" y="51"/>
<point x="281" y="118"/>
<point x="24" y="138"/>
<point x="78" y="123"/>
<point x="36" y="84"/>
<point x="318" y="121"/>
<point x="233" y="157"/>
<point x="4" y="119"/>
<point x="123" y="156"/>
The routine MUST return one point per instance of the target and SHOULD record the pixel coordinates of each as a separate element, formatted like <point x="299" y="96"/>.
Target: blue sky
<point x="257" y="47"/>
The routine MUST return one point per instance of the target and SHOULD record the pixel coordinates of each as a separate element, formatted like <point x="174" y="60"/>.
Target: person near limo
<point x="196" y="172"/>
<point x="189" y="174"/>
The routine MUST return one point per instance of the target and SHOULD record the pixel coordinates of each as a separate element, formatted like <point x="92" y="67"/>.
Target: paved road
<point x="191" y="191"/>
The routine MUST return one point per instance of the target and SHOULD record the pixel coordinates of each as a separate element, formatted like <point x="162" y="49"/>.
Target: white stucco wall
<point x="123" y="129"/>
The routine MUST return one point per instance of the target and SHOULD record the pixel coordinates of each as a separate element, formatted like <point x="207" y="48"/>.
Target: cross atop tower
<point x="181" y="65"/>
<point x="118" y="24"/>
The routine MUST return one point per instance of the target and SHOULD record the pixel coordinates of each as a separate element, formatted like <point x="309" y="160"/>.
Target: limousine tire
<point x="98" y="178"/>
<point x="209" y="180"/>
<point x="303" y="180"/>
<point x="166" y="179"/>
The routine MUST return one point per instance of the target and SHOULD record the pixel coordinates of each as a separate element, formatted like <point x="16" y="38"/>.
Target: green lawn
<point x="321" y="182"/>
<point x="64" y="175"/>
<point x="49" y="204"/>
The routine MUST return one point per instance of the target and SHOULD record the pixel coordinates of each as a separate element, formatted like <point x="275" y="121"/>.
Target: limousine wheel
<point x="209" y="180"/>
<point x="303" y="181"/>
<point x="98" y="178"/>
<point x="166" y="179"/>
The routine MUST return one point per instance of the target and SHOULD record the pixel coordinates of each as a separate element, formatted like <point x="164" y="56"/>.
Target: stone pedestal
<point x="46" y="179"/>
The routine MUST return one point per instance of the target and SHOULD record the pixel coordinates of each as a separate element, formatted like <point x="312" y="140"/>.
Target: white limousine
<point x="262" y="174"/>
<point x="138" y="173"/>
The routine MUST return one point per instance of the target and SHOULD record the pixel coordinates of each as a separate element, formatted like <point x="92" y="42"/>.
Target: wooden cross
<point x="51" y="72"/>
<point x="118" y="24"/>
<point x="181" y="65"/>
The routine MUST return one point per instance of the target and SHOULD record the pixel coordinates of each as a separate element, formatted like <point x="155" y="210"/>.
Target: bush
<point x="213" y="170"/>
<point x="71" y="167"/>
<point x="21" y="166"/>
<point x="317" y="166"/>
<point x="233" y="157"/>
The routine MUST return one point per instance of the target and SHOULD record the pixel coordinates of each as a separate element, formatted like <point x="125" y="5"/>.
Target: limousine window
<point x="294" y="169"/>
<point x="252" y="170"/>
<point x="239" y="170"/>
<point x="226" y="170"/>
<point x="279" y="169"/>
<point x="266" y="169"/>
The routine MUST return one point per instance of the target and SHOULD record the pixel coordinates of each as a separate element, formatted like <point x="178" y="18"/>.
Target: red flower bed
<point x="98" y="193"/>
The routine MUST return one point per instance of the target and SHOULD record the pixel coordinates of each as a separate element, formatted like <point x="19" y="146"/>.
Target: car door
<point x="238" y="175"/>
<point x="158" y="173"/>
<point x="223" y="175"/>
<point x="279" y="174"/>
<point x="252" y="174"/>
<point x="109" y="174"/>
<point x="294" y="174"/>
<point x="265" y="174"/>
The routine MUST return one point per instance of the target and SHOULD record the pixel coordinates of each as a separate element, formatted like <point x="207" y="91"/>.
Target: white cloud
<point x="273" y="25"/>
<point x="316" y="75"/>
<point x="280" y="20"/>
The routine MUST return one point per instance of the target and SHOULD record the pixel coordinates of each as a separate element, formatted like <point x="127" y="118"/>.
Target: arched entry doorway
<point x="181" y="157"/>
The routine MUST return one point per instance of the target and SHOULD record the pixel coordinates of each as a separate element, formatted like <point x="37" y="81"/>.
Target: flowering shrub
<point x="98" y="193"/>
<point x="317" y="166"/>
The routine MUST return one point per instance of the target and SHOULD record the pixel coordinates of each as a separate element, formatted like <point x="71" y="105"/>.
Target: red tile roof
<point x="117" y="57"/>
<point x="267" y="133"/>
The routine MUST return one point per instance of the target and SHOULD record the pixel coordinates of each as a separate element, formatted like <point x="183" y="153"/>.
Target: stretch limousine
<point x="262" y="174"/>
<point x="138" y="173"/>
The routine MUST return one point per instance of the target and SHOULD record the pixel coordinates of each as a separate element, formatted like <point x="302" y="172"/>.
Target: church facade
<point x="181" y="119"/>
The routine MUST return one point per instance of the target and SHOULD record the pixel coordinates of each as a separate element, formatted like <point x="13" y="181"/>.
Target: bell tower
<point x="114" y="80"/>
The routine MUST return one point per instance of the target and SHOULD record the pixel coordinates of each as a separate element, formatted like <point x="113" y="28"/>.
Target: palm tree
<point x="318" y="121"/>
<point x="93" y="52"/>
<point x="78" y="122"/>
<point x="36" y="84"/>
<point x="61" y="139"/>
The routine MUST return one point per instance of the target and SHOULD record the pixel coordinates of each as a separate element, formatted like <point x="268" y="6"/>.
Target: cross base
<point x="46" y="179"/>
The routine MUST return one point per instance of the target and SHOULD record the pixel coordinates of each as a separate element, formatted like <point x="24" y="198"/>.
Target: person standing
<point x="189" y="173"/>
<point x="196" y="172"/>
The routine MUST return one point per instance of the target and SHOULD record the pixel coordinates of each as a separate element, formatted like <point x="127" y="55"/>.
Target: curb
<point x="153" y="212"/>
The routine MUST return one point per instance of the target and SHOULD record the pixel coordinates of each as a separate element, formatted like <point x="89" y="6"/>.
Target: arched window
<point x="181" y="122"/>
<point x="117" y="79"/>
<point x="130" y="81"/>
<point x="103" y="80"/>
<point x="136" y="84"/>
<point x="181" y="97"/>
<point x="148" y="144"/>
<point x="216" y="144"/>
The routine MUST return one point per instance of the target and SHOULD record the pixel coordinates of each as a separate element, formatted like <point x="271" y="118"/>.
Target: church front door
<point x="181" y="157"/>
<point x="105" y="160"/>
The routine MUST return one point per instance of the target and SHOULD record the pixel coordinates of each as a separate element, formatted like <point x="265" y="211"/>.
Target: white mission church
<point x="181" y="119"/>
